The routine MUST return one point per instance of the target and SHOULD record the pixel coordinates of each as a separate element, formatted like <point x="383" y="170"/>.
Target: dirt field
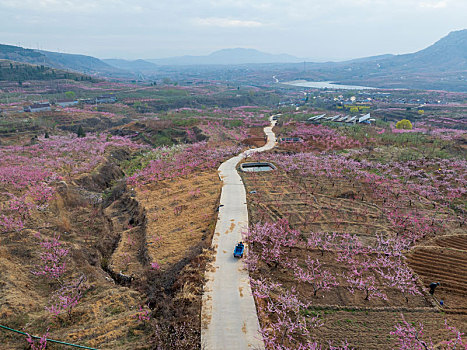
<point x="445" y="265"/>
<point x="370" y="329"/>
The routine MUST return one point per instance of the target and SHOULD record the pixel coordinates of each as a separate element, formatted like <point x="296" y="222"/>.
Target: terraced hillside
<point x="446" y="265"/>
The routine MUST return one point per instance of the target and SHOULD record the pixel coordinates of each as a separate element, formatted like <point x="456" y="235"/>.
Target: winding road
<point x="228" y="315"/>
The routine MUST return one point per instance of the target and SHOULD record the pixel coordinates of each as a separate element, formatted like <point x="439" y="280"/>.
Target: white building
<point x="66" y="103"/>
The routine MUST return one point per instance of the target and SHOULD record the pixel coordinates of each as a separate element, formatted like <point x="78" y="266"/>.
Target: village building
<point x="106" y="99"/>
<point x="66" y="103"/>
<point x="38" y="107"/>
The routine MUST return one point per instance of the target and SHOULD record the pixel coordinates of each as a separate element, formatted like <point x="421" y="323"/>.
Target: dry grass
<point x="179" y="214"/>
<point x="125" y="257"/>
<point x="104" y="318"/>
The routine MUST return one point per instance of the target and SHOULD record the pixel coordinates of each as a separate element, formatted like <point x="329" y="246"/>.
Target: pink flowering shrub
<point x="53" y="255"/>
<point x="142" y="315"/>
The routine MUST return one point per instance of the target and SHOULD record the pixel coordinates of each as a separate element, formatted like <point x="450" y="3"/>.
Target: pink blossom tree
<point x="53" y="258"/>
<point x="396" y="273"/>
<point x="67" y="297"/>
<point x="314" y="275"/>
<point x="360" y="277"/>
<point x="38" y="343"/>
<point x="270" y="240"/>
<point x="289" y="324"/>
<point x="411" y="338"/>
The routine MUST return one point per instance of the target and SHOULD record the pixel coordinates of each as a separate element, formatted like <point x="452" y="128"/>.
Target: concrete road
<point x="228" y="316"/>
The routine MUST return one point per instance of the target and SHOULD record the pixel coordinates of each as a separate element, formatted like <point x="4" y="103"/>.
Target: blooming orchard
<point x="28" y="172"/>
<point x="195" y="157"/>
<point x="399" y="203"/>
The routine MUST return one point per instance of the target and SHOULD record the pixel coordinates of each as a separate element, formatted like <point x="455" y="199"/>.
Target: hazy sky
<point x="317" y="29"/>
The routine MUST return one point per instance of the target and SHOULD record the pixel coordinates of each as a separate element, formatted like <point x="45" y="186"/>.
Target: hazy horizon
<point x="343" y="29"/>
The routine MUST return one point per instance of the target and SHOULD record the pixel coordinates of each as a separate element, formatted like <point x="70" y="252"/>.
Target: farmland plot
<point x="342" y="246"/>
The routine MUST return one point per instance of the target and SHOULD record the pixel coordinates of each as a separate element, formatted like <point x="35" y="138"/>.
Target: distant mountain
<point x="77" y="63"/>
<point x="228" y="57"/>
<point x="442" y="65"/>
<point x="447" y="54"/>
<point x="135" y="66"/>
<point x="80" y="63"/>
<point x="370" y="59"/>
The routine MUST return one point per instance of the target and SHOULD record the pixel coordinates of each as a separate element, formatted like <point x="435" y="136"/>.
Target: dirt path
<point x="228" y="315"/>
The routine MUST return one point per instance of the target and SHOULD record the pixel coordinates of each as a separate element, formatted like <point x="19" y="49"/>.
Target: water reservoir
<point x="257" y="167"/>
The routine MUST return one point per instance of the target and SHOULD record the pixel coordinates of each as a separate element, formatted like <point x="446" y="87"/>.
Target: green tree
<point x="80" y="132"/>
<point x="70" y="94"/>
<point x="404" y="124"/>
